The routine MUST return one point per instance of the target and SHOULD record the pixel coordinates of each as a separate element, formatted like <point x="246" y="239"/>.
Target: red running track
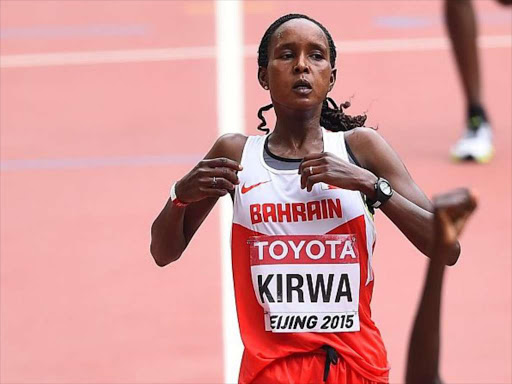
<point x="89" y="152"/>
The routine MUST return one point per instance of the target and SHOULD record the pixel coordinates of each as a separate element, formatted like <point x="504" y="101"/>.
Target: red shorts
<point x="308" y="368"/>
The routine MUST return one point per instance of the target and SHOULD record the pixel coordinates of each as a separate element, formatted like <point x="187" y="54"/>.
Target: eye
<point x="286" y="55"/>
<point x="317" y="56"/>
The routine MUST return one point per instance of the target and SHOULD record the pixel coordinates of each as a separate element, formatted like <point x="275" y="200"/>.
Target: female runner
<point x="303" y="236"/>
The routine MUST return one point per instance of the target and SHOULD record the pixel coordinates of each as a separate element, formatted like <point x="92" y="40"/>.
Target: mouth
<point x="302" y="86"/>
<point x="302" y="83"/>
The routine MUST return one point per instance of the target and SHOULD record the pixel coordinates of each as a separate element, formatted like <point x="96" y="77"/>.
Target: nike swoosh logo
<point x="247" y="189"/>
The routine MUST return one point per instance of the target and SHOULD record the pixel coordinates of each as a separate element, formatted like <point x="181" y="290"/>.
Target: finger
<point x="312" y="180"/>
<point x="473" y="200"/>
<point x="447" y="228"/>
<point x="304" y="174"/>
<point x="226" y="173"/>
<point x="459" y="209"/>
<point x="470" y="203"/>
<point x="309" y="171"/>
<point x="460" y="197"/>
<point x="214" y="192"/>
<point x="310" y="163"/>
<point x="451" y="227"/>
<point x="316" y="155"/>
<point x="223" y="162"/>
<point x="461" y="223"/>
<point x="217" y="183"/>
<point x="222" y="183"/>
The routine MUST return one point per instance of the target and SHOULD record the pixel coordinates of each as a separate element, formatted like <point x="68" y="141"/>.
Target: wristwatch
<point x="175" y="199"/>
<point x="383" y="192"/>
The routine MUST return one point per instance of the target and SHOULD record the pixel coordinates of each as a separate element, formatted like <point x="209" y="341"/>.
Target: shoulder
<point x="231" y="141"/>
<point x="362" y="135"/>
<point x="230" y="145"/>
<point x="366" y="144"/>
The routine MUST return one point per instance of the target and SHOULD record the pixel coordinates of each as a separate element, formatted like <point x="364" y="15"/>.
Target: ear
<point x="332" y="80"/>
<point x="263" y="77"/>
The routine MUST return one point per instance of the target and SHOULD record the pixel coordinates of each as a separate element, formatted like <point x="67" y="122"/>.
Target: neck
<point x="297" y="130"/>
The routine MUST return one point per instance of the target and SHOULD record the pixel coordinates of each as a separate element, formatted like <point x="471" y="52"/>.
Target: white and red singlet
<point x="302" y="267"/>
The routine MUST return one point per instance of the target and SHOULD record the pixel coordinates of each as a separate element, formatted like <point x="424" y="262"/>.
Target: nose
<point x="301" y="65"/>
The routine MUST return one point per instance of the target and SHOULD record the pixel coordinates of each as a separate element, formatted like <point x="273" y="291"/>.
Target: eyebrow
<point x="319" y="46"/>
<point x="293" y="44"/>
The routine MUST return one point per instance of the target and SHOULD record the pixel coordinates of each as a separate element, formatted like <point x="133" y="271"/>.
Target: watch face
<point x="385" y="187"/>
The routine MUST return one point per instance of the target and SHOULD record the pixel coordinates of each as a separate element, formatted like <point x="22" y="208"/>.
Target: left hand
<point x="330" y="169"/>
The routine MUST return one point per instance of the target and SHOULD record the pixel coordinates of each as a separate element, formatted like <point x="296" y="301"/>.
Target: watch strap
<point x="380" y="197"/>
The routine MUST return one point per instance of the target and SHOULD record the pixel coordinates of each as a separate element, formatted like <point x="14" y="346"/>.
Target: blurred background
<point x="104" y="104"/>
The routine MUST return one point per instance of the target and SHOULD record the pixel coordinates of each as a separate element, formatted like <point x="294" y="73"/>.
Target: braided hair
<point x="333" y="119"/>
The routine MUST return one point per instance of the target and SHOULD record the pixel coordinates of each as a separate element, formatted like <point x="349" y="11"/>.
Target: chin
<point x="304" y="104"/>
<point x="296" y="103"/>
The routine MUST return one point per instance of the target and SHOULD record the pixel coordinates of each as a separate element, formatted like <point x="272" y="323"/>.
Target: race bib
<point x="307" y="283"/>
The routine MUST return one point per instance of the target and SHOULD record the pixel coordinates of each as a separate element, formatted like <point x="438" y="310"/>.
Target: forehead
<point x="299" y="31"/>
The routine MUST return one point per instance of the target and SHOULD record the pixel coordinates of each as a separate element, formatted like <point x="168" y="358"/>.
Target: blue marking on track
<point x="406" y="22"/>
<point x="73" y="31"/>
<point x="98" y="162"/>
<point x="414" y="22"/>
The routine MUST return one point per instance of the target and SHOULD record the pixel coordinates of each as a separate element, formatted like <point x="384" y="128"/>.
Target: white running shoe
<point x="475" y="144"/>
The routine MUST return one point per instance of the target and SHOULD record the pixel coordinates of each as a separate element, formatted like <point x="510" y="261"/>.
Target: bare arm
<point x="409" y="208"/>
<point x="423" y="358"/>
<point x="175" y="226"/>
<point x="451" y="212"/>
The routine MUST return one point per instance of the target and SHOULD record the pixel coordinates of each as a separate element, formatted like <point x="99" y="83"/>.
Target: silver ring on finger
<point x="311" y="170"/>
<point x="214" y="184"/>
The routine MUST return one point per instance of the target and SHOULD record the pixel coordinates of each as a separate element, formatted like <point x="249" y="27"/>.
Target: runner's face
<point x="299" y="72"/>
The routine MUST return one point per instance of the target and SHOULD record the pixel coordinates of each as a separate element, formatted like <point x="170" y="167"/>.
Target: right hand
<point x="209" y="178"/>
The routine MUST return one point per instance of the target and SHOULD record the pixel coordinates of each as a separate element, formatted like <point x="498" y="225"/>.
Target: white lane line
<point x="198" y="53"/>
<point x="230" y="117"/>
<point x="104" y="57"/>
<point x="417" y="44"/>
<point x="9" y="165"/>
